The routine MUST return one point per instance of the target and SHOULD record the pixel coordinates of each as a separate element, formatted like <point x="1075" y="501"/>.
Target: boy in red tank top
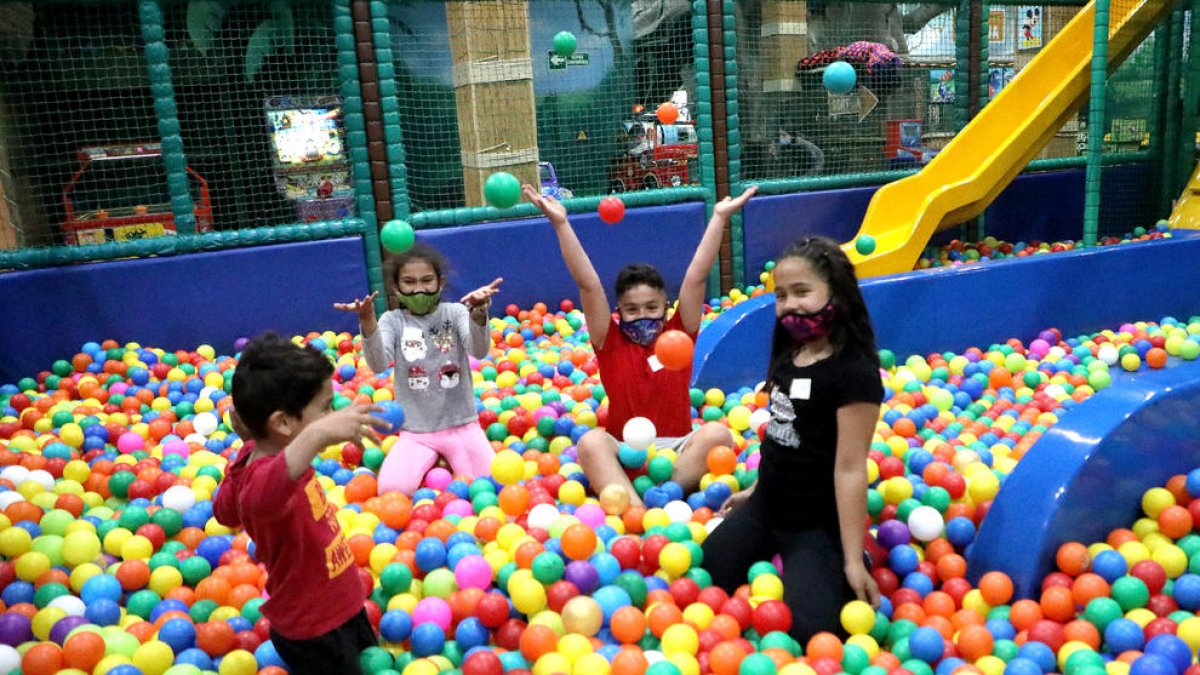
<point x="635" y="382"/>
<point x="283" y="394"/>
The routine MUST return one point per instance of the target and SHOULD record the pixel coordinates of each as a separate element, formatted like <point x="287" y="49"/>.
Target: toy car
<point x="550" y="186"/>
<point x="657" y="155"/>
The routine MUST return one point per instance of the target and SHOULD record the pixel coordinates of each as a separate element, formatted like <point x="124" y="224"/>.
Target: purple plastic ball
<point x="63" y="627"/>
<point x="893" y="533"/>
<point x="583" y="575"/>
<point x="15" y="629"/>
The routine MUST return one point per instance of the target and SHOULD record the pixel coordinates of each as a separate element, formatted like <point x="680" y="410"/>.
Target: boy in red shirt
<point x="635" y="382"/>
<point x="282" y="395"/>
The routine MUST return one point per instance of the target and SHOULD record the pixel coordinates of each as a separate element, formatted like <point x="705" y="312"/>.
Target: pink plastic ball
<point x="432" y="610"/>
<point x="176" y="447"/>
<point x="130" y="442"/>
<point x="591" y="515"/>
<point x="544" y="411"/>
<point x="459" y="507"/>
<point x="473" y="571"/>
<point x="438" y="478"/>
<point x="753" y="461"/>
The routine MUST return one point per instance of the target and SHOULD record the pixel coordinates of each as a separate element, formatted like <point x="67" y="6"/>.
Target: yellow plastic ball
<point x="675" y="559"/>
<point x="45" y="619"/>
<point x="551" y="663"/>
<point x="508" y="467"/>
<point x="591" y="664"/>
<point x="1155" y="500"/>
<point x="153" y="657"/>
<point x="680" y="637"/>
<point x="767" y="586"/>
<point x="858" y="618"/>
<point x="238" y="662"/>
<point x="31" y="565"/>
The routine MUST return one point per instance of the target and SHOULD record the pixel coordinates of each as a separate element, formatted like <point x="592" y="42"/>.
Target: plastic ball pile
<point x="112" y="562"/>
<point x="958" y="253"/>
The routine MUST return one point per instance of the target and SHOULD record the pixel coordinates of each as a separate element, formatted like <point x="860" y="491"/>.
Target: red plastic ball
<point x="772" y="615"/>
<point x="611" y="210"/>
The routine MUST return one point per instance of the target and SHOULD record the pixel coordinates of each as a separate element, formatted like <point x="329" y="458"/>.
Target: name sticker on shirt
<point x="655" y="364"/>
<point x="801" y="388"/>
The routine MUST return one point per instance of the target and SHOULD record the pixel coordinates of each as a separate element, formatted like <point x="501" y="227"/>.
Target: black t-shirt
<point x="800" y="445"/>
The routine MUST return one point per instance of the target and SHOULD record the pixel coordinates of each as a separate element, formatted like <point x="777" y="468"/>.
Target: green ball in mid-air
<point x="565" y="43"/>
<point x="502" y="190"/>
<point x="397" y="236"/>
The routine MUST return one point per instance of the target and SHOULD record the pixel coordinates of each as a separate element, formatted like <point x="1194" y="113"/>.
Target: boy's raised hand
<point x="351" y="424"/>
<point x="482" y="295"/>
<point x="550" y="207"/>
<point x="363" y="307"/>
<point x="728" y="206"/>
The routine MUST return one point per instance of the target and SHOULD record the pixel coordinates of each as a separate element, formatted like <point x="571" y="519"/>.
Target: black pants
<point x="334" y="653"/>
<point x="814" y="575"/>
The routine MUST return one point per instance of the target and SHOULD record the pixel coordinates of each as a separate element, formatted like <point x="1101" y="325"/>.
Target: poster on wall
<point x="997" y="22"/>
<point x="1029" y="17"/>
<point x="998" y="78"/>
<point x="941" y="85"/>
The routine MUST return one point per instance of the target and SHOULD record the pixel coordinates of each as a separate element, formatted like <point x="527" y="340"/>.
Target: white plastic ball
<point x="207" y="392"/>
<point x="70" y="604"/>
<point x="758" y="418"/>
<point x="179" y="498"/>
<point x="639" y="433"/>
<point x="1108" y="353"/>
<point x="15" y="474"/>
<point x="926" y="523"/>
<point x="678" y="511"/>
<point x="195" y="438"/>
<point x="10" y="660"/>
<point x="542" y="516"/>
<point x="41" y="477"/>
<point x="9" y="498"/>
<point x="712" y="524"/>
<point x="205" y="423"/>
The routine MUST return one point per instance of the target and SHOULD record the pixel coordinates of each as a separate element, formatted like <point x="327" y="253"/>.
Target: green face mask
<point x="420" y="303"/>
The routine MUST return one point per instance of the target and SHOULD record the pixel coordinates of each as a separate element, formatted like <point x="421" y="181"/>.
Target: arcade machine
<point x="119" y="193"/>
<point x="311" y="166"/>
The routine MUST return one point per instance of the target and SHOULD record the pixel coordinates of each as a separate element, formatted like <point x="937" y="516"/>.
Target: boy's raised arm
<point x="691" y="291"/>
<point x="596" y="309"/>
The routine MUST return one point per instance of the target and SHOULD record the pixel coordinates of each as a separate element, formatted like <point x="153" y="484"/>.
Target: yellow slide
<point x="1186" y="214"/>
<point x="960" y="182"/>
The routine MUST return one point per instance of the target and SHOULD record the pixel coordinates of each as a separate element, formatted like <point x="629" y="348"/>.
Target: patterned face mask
<point x="420" y="303"/>
<point x="642" y="331"/>
<point x="808" y="327"/>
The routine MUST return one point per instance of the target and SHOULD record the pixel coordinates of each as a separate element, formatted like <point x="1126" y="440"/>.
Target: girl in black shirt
<point x="809" y="504"/>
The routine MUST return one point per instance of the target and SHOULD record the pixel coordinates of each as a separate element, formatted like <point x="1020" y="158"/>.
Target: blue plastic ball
<point x="471" y="633"/>
<point x="1153" y="664"/>
<point x="428" y="639"/>
<point x="392" y="413"/>
<point x="926" y="644"/>
<point x="1123" y="635"/>
<point x="395" y="626"/>
<point x="839" y="77"/>
<point x="1022" y="666"/>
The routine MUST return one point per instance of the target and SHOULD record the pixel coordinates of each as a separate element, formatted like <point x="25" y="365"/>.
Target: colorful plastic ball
<point x="502" y="190"/>
<point x="508" y="468"/>
<point x="925" y="523"/>
<point x="390" y="412"/>
<point x="473" y="571"/>
<point x="432" y="610"/>
<point x="674" y="349"/>
<point x="15" y="628"/>
<point x="858" y="618"/>
<point x="639" y="433"/>
<point x="611" y="209"/>
<point x="864" y="243"/>
<point x="397" y="236"/>
<point x="839" y="77"/>
<point x="428" y="639"/>
<point x="582" y="615"/>
<point x="565" y="43"/>
<point x="667" y="113"/>
<point x="395" y="625"/>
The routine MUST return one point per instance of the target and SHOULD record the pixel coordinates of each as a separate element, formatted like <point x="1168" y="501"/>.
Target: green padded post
<point x="356" y="137"/>
<point x="158" y="67"/>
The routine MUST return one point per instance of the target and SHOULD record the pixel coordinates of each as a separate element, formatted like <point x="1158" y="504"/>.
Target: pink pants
<point x="414" y="454"/>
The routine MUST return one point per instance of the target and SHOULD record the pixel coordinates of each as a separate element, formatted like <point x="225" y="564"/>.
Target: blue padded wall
<point x="176" y="302"/>
<point x="1086" y="476"/>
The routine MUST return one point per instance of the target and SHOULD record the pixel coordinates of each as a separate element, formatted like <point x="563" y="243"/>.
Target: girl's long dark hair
<point x="852" y="332"/>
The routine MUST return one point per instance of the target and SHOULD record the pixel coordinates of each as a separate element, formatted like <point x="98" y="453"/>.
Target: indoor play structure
<point x="1040" y="391"/>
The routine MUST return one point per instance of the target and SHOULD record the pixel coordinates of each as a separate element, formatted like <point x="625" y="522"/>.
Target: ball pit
<point x="112" y="561"/>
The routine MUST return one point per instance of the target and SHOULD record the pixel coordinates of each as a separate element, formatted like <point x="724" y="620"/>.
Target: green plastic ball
<point x="502" y="190"/>
<point x="864" y="244"/>
<point x="397" y="236"/>
<point x="565" y="43"/>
